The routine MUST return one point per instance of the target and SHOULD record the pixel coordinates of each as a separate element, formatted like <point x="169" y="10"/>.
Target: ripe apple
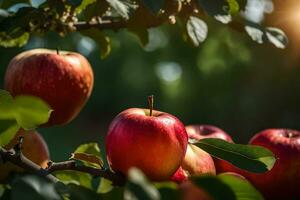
<point x="282" y="181"/>
<point x="195" y="162"/>
<point x="62" y="79"/>
<point x="152" y="141"/>
<point x="199" y="132"/>
<point x="34" y="148"/>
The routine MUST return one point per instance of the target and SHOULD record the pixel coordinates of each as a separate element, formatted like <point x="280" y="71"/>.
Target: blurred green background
<point x="229" y="81"/>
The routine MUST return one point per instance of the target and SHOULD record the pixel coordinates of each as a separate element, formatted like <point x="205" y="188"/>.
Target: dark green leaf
<point x="5" y="194"/>
<point x="115" y="193"/>
<point x="242" y="188"/>
<point x="102" y="40"/>
<point x="217" y="8"/>
<point x="30" y="187"/>
<point x="8" y="130"/>
<point x="168" y="190"/>
<point x="227" y="186"/>
<point x="196" y="30"/>
<point x="214" y="187"/>
<point x="251" y="158"/>
<point x="138" y="187"/>
<point x="153" y="5"/>
<point x="95" y="9"/>
<point x="76" y="192"/>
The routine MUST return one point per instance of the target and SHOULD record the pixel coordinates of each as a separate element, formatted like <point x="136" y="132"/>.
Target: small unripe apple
<point x="150" y="140"/>
<point x="34" y="148"/>
<point x="283" y="180"/>
<point x="62" y="79"/>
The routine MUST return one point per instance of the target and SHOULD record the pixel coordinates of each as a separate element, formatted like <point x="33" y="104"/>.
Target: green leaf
<point x="248" y="157"/>
<point x="227" y="186"/>
<point x="121" y="8"/>
<point x="196" y="30"/>
<point x="219" y="9"/>
<point x="153" y="5"/>
<point x="214" y="187"/>
<point x="102" y="41"/>
<point x="97" y="8"/>
<point x="90" y="148"/>
<point x="8" y="130"/>
<point x="76" y="192"/>
<point x="31" y="111"/>
<point x="168" y="190"/>
<point x="31" y="187"/>
<point x="90" y="159"/>
<point x="28" y="111"/>
<point x="77" y="178"/>
<point x="233" y="7"/>
<point x="89" y="154"/>
<point x="8" y="41"/>
<point x="141" y="33"/>
<point x="6" y="105"/>
<point x="84" y="4"/>
<point x="138" y="187"/>
<point x="115" y="193"/>
<point x="105" y="186"/>
<point x="242" y="188"/>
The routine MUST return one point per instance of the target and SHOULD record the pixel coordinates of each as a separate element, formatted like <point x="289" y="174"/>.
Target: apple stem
<point x="57" y="51"/>
<point x="151" y="103"/>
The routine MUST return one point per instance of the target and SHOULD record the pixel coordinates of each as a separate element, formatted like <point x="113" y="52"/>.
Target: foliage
<point x="20" y="19"/>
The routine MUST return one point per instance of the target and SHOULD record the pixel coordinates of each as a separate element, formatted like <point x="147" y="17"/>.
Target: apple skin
<point x="155" y="144"/>
<point x="283" y="180"/>
<point x="64" y="80"/>
<point x="199" y="132"/>
<point x="34" y="148"/>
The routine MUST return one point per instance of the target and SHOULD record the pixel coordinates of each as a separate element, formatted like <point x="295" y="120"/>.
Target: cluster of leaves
<point x="29" y="112"/>
<point x="21" y="18"/>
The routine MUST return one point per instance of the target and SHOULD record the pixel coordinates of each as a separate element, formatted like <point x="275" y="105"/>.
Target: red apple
<point x="283" y="180"/>
<point x="63" y="79"/>
<point x="196" y="162"/>
<point x="199" y="132"/>
<point x="154" y="142"/>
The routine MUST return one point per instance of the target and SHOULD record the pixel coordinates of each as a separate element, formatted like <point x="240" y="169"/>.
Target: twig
<point x="20" y="160"/>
